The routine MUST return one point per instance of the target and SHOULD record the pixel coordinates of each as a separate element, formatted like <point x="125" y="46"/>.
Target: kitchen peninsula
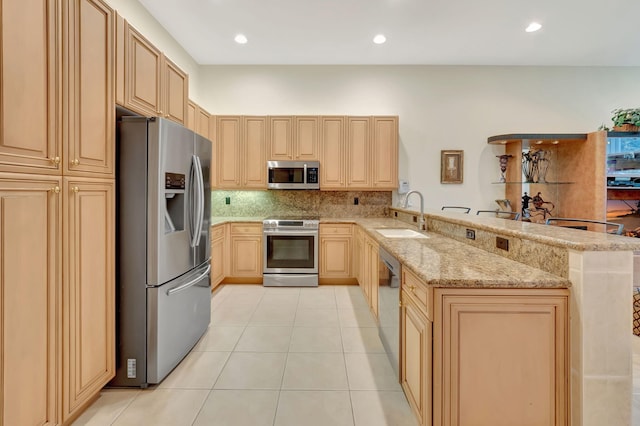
<point x="573" y="286"/>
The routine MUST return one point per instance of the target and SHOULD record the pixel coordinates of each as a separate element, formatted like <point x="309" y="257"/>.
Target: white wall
<point x="440" y="107"/>
<point x="146" y="24"/>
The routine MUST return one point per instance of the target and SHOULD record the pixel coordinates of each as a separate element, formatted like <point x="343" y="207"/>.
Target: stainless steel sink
<point x="400" y="233"/>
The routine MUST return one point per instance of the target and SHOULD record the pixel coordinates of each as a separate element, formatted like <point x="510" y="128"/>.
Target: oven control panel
<point x="290" y="224"/>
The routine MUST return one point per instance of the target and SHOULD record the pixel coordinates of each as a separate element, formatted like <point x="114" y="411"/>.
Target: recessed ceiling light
<point x="534" y="26"/>
<point x="379" y="39"/>
<point x="241" y="39"/>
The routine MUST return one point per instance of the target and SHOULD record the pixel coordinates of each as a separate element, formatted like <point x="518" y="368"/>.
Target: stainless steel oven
<point x="290" y="252"/>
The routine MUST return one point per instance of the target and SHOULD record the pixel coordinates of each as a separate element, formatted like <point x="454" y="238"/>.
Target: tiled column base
<point x="601" y="332"/>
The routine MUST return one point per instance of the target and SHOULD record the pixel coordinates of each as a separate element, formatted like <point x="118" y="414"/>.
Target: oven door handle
<point x="301" y="232"/>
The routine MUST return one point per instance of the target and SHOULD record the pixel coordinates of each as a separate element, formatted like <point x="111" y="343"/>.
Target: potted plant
<point x="626" y="120"/>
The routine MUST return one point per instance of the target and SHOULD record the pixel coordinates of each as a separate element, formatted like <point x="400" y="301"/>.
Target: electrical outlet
<point x="471" y="234"/>
<point x="502" y="243"/>
<point x="415" y="219"/>
<point x="227" y="200"/>
<point x="356" y="201"/>
<point x="395" y="214"/>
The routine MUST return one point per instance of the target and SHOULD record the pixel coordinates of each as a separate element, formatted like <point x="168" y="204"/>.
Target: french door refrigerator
<point x="163" y="252"/>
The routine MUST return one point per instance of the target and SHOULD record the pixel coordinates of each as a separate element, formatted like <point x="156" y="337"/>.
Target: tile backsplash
<point x="292" y="202"/>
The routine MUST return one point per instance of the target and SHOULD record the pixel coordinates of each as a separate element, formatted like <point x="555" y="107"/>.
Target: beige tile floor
<point x="273" y="356"/>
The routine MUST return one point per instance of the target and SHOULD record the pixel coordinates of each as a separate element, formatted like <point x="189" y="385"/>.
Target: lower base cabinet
<point x="57" y="300"/>
<point x="246" y="251"/>
<point x="415" y="358"/>
<point x="218" y="250"/>
<point x="30" y="277"/>
<point x="88" y="291"/>
<point x="500" y="357"/>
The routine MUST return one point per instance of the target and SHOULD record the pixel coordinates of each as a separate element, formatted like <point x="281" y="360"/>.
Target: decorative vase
<point x="504" y="159"/>
<point x="541" y="166"/>
<point x="528" y="165"/>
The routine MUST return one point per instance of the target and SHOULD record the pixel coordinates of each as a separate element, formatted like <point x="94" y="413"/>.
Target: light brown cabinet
<point x="384" y="172"/>
<point x="246" y="251"/>
<point x="198" y="120"/>
<point x="89" y="110"/>
<point x="240" y="152"/>
<point x="500" y="356"/>
<point x="366" y="252"/>
<point x="416" y="357"/>
<point x="293" y="138"/>
<point x="336" y="243"/>
<point x="60" y="81"/>
<point x="218" y="254"/>
<point x="31" y="137"/>
<point x="358" y="152"/>
<point x="88" y="296"/>
<point x="332" y="149"/>
<point x="30" y="277"/>
<point x="147" y="82"/>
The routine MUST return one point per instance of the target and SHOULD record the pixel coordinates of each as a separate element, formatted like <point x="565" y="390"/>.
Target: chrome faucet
<point x="421" y="224"/>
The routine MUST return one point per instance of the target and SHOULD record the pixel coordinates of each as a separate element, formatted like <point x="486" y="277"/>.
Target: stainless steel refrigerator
<point x="163" y="251"/>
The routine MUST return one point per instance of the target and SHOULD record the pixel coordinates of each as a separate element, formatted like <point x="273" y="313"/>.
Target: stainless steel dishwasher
<point x="388" y="307"/>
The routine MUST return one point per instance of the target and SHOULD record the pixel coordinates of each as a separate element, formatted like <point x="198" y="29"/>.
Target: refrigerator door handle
<point x="190" y="283"/>
<point x="195" y="210"/>
<point x="200" y="178"/>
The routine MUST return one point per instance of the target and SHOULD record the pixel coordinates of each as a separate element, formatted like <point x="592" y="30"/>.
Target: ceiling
<point x="434" y="32"/>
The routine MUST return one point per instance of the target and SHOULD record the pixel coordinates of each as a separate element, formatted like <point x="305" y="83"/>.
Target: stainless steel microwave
<point x="293" y="174"/>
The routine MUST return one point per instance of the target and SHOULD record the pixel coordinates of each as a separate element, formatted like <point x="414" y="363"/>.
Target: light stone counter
<point x="437" y="260"/>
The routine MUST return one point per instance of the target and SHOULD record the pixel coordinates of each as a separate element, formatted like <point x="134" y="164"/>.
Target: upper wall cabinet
<point x="332" y="148"/>
<point x="199" y="120"/>
<point x="147" y="82"/>
<point x="293" y="138"/>
<point x="89" y="148"/>
<point x="30" y="135"/>
<point x="57" y="88"/>
<point x="384" y="173"/>
<point x="240" y="158"/>
<point x="358" y="152"/>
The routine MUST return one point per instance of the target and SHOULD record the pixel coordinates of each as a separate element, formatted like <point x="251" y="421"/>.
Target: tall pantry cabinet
<point x="57" y="208"/>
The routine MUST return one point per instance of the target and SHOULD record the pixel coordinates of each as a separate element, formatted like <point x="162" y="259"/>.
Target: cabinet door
<point x="88" y="290"/>
<point x="280" y="141"/>
<point x="228" y="151"/>
<point x="335" y="257"/>
<point x="385" y="152"/>
<point x="89" y="148"/>
<point x="191" y="116"/>
<point x="217" y="255"/>
<point x="372" y="275"/>
<point x="415" y="359"/>
<point x="30" y="136"/>
<point x="176" y="92"/>
<point x="30" y="274"/>
<point x="305" y="137"/>
<point x="246" y="259"/>
<point x="254" y="173"/>
<point x="202" y="117"/>
<point x="358" y="152"/>
<point x="332" y="152"/>
<point x="500" y="357"/>
<point x="143" y="74"/>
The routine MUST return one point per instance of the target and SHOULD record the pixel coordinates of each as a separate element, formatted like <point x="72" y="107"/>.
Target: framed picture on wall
<point x="451" y="166"/>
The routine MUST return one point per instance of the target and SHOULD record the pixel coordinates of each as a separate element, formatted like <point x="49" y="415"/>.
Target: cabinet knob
<point x="400" y="303"/>
<point x="55" y="160"/>
<point x="55" y="189"/>
<point x="412" y="288"/>
<point x="75" y="189"/>
<point x="75" y="162"/>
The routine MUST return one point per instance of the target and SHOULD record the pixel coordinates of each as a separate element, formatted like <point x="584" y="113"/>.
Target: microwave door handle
<point x="305" y="173"/>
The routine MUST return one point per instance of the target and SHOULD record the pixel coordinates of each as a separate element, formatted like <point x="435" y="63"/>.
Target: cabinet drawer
<point x="246" y="228"/>
<point x="335" y="229"/>
<point x="419" y="291"/>
<point x="217" y="232"/>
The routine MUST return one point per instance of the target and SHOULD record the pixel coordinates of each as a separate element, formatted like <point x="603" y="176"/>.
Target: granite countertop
<point x="556" y="236"/>
<point x="443" y="262"/>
